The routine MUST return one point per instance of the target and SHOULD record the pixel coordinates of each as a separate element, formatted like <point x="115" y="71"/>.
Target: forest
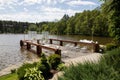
<point x="84" y="23"/>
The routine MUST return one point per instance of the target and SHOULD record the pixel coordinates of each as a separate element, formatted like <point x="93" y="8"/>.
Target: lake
<point x="11" y="53"/>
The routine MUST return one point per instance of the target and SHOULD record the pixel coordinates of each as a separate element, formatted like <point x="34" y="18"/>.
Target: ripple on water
<point x="11" y="55"/>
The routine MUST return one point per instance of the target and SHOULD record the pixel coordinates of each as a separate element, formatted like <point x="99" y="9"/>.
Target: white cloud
<point x="29" y="2"/>
<point x="45" y="11"/>
<point x="80" y="2"/>
<point x="25" y="9"/>
<point x="45" y="14"/>
<point x="8" y="2"/>
<point x="32" y="2"/>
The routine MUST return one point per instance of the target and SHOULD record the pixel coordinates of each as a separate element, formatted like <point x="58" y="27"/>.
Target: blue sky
<point x="43" y="10"/>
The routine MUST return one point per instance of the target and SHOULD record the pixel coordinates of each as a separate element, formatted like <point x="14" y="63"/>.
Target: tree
<point x="111" y="7"/>
<point x="32" y="27"/>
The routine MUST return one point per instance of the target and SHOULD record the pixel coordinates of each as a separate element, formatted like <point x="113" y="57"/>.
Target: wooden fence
<point x="27" y="45"/>
<point x="95" y="46"/>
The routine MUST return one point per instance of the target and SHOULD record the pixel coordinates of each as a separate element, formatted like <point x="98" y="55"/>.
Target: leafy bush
<point x="33" y="74"/>
<point x="44" y="66"/>
<point x="107" y="68"/>
<point x="61" y="67"/>
<point x="54" y="60"/>
<point x="21" y="71"/>
<point x="110" y="46"/>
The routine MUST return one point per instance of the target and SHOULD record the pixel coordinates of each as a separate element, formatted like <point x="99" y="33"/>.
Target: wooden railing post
<point x="75" y="44"/>
<point x="96" y="48"/>
<point x="58" y="51"/>
<point x="61" y="43"/>
<point x="50" y="41"/>
<point x="28" y="46"/>
<point x="38" y="41"/>
<point x="21" y="43"/>
<point x="39" y="50"/>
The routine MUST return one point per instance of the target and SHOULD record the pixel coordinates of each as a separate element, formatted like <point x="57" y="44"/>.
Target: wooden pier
<point x="95" y="46"/>
<point x="27" y="45"/>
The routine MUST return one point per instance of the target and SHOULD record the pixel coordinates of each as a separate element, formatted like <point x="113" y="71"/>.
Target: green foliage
<point x="112" y="58"/>
<point x="33" y="74"/>
<point x="21" y="71"/>
<point x="43" y="66"/>
<point x="9" y="77"/>
<point x="32" y="27"/>
<point x="106" y="69"/>
<point x="61" y="67"/>
<point x="111" y="8"/>
<point x="13" y="26"/>
<point x="54" y="60"/>
<point x="110" y="46"/>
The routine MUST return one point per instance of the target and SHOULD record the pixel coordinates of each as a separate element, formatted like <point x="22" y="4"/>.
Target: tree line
<point x="102" y="21"/>
<point x="13" y="26"/>
<point x="85" y="23"/>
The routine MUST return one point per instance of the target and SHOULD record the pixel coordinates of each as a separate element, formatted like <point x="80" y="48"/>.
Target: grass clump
<point x="111" y="46"/>
<point x="12" y="76"/>
<point x="108" y="68"/>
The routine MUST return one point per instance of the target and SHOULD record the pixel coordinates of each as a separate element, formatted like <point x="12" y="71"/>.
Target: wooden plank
<point x="49" y="48"/>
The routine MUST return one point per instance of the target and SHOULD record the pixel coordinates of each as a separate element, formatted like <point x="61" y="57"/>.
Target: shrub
<point x="44" y="66"/>
<point x="110" y="46"/>
<point x="54" y="60"/>
<point x="61" y="67"/>
<point x="21" y="70"/>
<point x="106" y="69"/>
<point x="43" y="58"/>
<point x="33" y="74"/>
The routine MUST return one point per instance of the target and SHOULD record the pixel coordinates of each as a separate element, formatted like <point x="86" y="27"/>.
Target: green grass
<point x="108" y="68"/>
<point x="9" y="77"/>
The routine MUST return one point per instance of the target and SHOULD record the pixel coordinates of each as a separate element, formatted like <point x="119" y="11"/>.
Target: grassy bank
<point x="108" y="68"/>
<point x="9" y="77"/>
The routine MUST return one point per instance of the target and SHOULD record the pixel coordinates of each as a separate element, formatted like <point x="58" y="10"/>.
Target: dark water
<point x="10" y="52"/>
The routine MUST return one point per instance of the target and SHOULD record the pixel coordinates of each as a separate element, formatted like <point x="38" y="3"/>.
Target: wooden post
<point x="28" y="46"/>
<point x="96" y="48"/>
<point x="58" y="51"/>
<point x="38" y="41"/>
<point x="21" y="43"/>
<point x="75" y="44"/>
<point x="39" y="50"/>
<point x="50" y="41"/>
<point x="61" y="43"/>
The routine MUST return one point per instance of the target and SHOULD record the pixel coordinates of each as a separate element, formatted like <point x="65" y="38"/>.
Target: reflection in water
<point x="10" y="52"/>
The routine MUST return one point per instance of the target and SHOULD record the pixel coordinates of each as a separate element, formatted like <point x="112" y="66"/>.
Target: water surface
<point x="11" y="53"/>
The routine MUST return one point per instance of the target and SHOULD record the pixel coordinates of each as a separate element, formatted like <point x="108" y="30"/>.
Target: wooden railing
<point x="95" y="46"/>
<point x="38" y="47"/>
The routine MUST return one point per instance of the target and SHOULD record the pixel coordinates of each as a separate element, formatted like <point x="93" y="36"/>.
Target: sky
<point x="43" y="10"/>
